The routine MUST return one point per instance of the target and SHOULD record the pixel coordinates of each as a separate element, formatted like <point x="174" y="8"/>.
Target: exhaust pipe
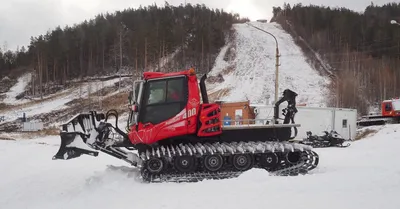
<point x="203" y="89"/>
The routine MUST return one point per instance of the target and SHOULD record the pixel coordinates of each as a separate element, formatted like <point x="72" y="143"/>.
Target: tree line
<point x="168" y="38"/>
<point x="362" y="50"/>
<point x="11" y="60"/>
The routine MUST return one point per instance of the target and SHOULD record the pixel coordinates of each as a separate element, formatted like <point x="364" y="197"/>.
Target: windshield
<point x="396" y="105"/>
<point x="165" y="91"/>
<point x="157" y="92"/>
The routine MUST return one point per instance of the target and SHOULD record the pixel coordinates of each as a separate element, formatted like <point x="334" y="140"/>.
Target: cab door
<point x="163" y="110"/>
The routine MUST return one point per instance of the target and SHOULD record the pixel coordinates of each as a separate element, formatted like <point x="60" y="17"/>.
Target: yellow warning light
<point x="191" y="71"/>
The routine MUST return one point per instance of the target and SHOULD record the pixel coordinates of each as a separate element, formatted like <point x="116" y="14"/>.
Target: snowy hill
<point x="59" y="106"/>
<point x="247" y="65"/>
<point x="364" y="175"/>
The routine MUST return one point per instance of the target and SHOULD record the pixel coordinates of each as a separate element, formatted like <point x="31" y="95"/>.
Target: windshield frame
<point x="137" y="91"/>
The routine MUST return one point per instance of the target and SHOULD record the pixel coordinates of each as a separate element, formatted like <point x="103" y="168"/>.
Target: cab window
<point x="164" y="99"/>
<point x="388" y="107"/>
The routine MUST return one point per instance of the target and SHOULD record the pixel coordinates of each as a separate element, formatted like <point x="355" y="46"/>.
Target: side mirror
<point x="135" y="108"/>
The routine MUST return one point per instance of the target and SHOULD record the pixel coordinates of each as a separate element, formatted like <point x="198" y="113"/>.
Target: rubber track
<point x="308" y="160"/>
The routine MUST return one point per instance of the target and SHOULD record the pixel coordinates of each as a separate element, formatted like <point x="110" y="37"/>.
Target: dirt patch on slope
<point x="7" y="107"/>
<point x="364" y="133"/>
<point x="5" y="138"/>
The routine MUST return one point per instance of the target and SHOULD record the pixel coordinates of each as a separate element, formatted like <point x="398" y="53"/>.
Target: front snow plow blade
<point x="89" y="133"/>
<point x="75" y="135"/>
<point x="70" y="148"/>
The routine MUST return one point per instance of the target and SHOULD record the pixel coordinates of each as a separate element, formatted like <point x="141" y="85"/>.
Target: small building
<point x="236" y="113"/>
<point x="315" y="119"/>
<point x="28" y="125"/>
<point x="32" y="126"/>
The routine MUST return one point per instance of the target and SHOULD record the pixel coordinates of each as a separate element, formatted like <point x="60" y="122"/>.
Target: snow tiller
<point x="176" y="134"/>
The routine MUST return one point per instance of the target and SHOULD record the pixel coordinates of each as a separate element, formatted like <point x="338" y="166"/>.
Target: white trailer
<point x="315" y="119"/>
<point x="32" y="126"/>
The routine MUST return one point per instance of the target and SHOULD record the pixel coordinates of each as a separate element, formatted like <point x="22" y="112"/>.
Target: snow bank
<point x="253" y="77"/>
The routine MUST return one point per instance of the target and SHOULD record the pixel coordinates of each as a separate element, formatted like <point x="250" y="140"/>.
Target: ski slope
<point x="253" y="74"/>
<point x="17" y="89"/>
<point x="365" y="175"/>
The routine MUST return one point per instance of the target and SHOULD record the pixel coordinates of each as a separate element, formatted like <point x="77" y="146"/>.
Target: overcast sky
<point x="21" y="19"/>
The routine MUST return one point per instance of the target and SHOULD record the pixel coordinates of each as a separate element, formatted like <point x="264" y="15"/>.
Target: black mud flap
<point x="73" y="145"/>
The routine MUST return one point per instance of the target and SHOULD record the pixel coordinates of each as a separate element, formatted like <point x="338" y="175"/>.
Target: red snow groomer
<point x="174" y="136"/>
<point x="390" y="114"/>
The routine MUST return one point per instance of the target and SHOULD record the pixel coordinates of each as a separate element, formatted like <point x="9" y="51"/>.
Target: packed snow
<point x="365" y="175"/>
<point x="253" y="74"/>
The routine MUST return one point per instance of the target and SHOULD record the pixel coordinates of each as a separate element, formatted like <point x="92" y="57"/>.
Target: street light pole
<point x="276" y="60"/>
<point x="394" y="22"/>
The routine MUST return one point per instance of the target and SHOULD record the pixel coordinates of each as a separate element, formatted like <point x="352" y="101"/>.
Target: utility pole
<point x="394" y="22"/>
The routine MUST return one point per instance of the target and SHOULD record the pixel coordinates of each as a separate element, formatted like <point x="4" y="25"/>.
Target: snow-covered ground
<point x="365" y="175"/>
<point x="253" y="77"/>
